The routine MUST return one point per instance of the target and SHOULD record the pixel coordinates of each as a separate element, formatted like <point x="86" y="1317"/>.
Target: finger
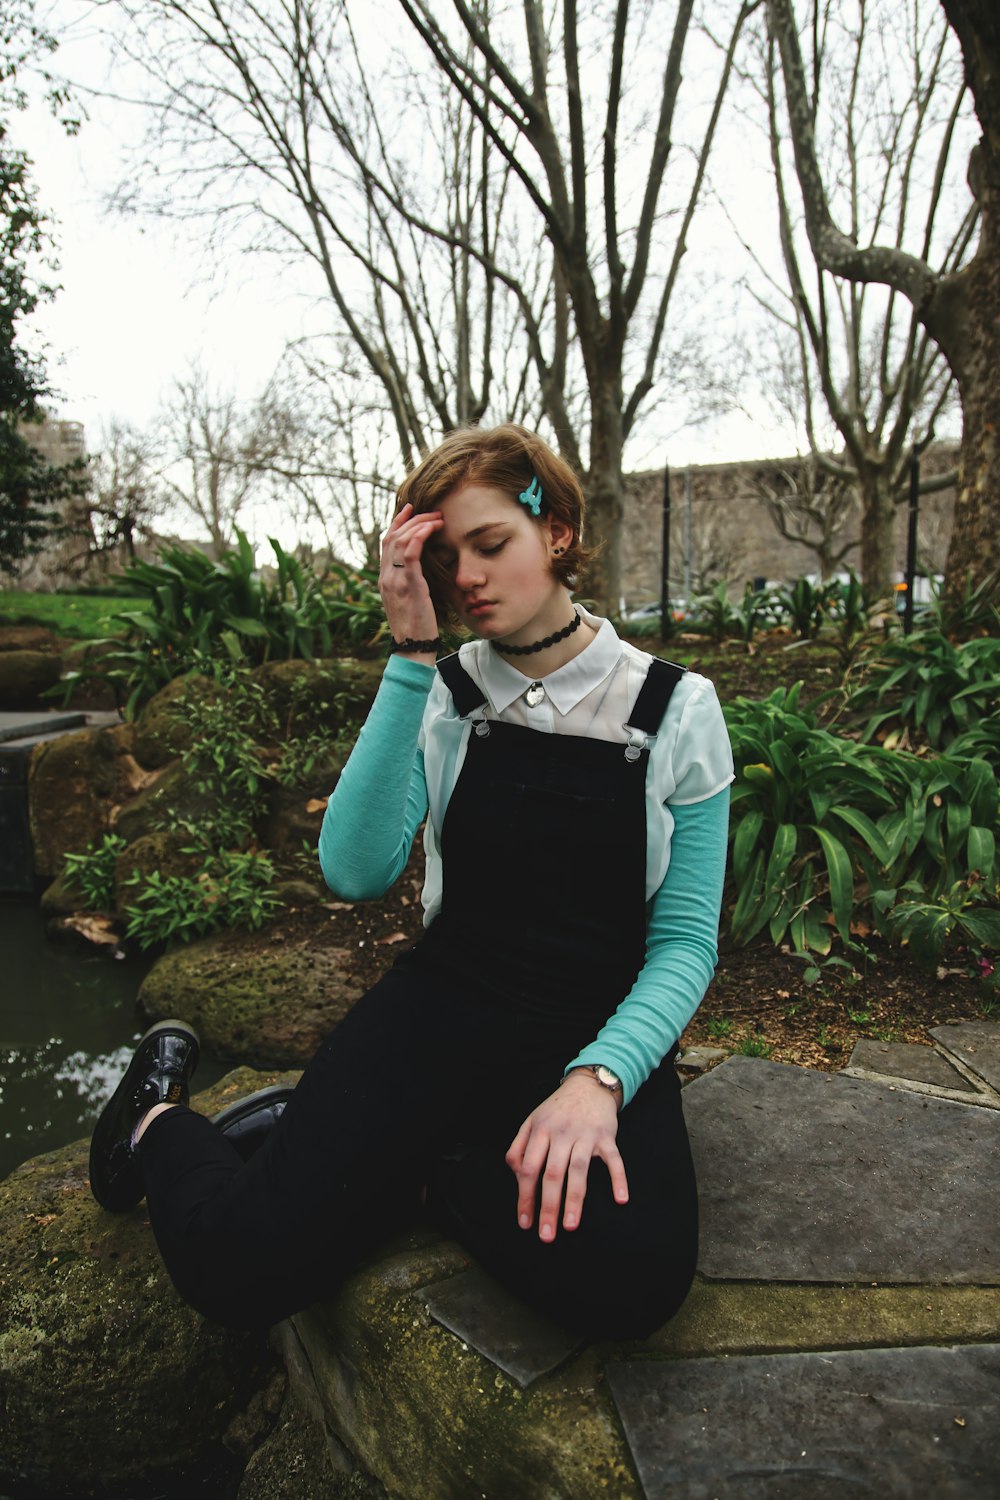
<point x="611" y="1156"/>
<point x="576" y="1188"/>
<point x="527" y="1178"/>
<point x="406" y="546"/>
<point x="553" y="1179"/>
<point x="515" y="1151"/>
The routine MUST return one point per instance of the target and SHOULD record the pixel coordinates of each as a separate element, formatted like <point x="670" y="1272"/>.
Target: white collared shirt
<point x="591" y="696"/>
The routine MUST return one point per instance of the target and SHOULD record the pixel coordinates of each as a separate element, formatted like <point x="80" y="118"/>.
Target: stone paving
<point x="842" y="1339"/>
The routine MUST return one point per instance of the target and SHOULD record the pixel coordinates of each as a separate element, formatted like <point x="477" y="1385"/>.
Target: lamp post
<point x="665" y="561"/>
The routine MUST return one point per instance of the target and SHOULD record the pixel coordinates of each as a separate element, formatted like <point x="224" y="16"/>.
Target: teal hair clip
<point x="532" y="496"/>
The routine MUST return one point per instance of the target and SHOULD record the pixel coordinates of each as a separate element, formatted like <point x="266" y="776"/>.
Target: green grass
<point x="82" y="616"/>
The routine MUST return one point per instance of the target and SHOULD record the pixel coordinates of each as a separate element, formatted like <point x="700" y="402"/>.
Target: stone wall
<point x="59" y="443"/>
<point x="733" y="535"/>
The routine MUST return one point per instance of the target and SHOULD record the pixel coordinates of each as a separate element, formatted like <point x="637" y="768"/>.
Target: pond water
<point x="68" y="1023"/>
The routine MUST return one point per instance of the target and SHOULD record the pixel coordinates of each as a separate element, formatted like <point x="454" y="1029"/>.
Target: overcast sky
<point x="138" y="303"/>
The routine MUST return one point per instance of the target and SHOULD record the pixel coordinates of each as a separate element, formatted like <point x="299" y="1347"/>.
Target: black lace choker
<point x="543" y="645"/>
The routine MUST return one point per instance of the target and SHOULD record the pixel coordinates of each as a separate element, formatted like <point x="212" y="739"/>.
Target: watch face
<point x="604" y="1075"/>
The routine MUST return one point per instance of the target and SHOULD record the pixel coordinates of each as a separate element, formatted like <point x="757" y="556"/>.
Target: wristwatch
<point x="604" y="1077"/>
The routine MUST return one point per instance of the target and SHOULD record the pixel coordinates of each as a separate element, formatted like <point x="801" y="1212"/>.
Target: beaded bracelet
<point x="410" y="645"/>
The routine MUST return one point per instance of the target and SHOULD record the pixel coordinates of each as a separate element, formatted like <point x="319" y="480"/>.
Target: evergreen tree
<point x="31" y="489"/>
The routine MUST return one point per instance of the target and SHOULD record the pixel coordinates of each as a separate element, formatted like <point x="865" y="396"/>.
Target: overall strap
<point x="461" y="686"/>
<point x="654" y="695"/>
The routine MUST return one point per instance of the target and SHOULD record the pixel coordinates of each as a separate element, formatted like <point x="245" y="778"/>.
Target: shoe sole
<point x="104" y="1193"/>
<point x="233" y="1113"/>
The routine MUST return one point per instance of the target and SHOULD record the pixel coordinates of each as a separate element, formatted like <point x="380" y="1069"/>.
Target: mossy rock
<point x="73" y="781"/>
<point x="162" y="852"/>
<point x="426" y="1413"/>
<point x="298" y="892"/>
<point x="298" y="1462"/>
<point x="262" y="998"/>
<point x="25" y="676"/>
<point x="161" y="734"/>
<point x="294" y="815"/>
<point x="174" y="797"/>
<point x="327" y="694"/>
<point x="105" y="1374"/>
<point x="61" y="898"/>
<point x="27" y="638"/>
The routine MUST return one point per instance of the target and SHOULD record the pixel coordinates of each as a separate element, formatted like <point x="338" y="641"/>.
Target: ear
<point x="560" y="533"/>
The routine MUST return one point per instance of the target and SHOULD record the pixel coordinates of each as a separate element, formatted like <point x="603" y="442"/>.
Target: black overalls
<point x="425" y="1083"/>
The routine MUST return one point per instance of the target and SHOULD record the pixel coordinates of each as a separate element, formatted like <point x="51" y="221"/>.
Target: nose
<point x="469" y="573"/>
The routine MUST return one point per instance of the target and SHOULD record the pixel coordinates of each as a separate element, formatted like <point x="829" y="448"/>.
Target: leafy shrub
<point x="928" y="925"/>
<point x="852" y="620"/>
<point x="93" y="872"/>
<point x="932" y="691"/>
<point x="824" y="827"/>
<point x="195" y="608"/>
<point x="808" y="606"/>
<point x="715" y="615"/>
<point x="232" y="889"/>
<point x="971" y="613"/>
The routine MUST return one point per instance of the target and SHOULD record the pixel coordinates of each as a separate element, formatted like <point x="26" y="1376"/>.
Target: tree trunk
<point x="878" y="511"/>
<point x="973" y="551"/>
<point x="604" y="488"/>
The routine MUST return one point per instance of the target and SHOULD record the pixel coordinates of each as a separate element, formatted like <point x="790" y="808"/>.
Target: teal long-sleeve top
<point x="382" y="797"/>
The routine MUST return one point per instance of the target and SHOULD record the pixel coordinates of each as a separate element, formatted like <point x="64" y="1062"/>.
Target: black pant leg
<point x="249" y="1244"/>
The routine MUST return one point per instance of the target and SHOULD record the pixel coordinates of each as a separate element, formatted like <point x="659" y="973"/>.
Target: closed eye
<point x="492" y="551"/>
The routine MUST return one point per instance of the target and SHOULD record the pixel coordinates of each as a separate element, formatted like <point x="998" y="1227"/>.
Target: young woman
<point x="511" y="1076"/>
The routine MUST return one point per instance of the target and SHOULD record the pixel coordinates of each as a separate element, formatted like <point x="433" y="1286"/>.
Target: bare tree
<point x="335" y="456"/>
<point x="953" y="302"/>
<point x="213" y="455"/>
<point x="292" y="133"/>
<point x="487" y="254"/>
<point x="534" y="92"/>
<point x="865" y="381"/>
<point x="813" y="506"/>
<point x="126" y="494"/>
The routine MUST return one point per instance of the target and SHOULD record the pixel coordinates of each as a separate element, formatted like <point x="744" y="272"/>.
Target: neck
<point x="540" y="663"/>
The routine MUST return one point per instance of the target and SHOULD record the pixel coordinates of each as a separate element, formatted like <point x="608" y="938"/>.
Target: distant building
<point x="733" y="535"/>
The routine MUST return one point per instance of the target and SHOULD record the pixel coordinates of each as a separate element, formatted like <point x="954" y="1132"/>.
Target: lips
<point x="478" y="606"/>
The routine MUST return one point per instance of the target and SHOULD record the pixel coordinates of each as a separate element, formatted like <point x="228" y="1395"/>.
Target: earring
<point x="558" y="551"/>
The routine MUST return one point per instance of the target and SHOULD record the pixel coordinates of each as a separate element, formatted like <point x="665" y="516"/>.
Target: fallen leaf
<point x="394" y="937"/>
<point x="316" y="804"/>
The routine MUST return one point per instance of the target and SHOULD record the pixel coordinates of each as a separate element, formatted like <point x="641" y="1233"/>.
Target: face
<point x="499" y="562"/>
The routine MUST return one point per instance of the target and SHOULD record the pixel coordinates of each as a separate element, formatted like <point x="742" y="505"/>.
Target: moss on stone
<point x="162" y="852"/>
<point x="260" y="998"/>
<point x="173" y="797"/>
<point x="161" y="733"/>
<point x="327" y="694"/>
<point x="25" y="676"/>
<point x="749" y="1317"/>
<point x="428" y="1414"/>
<point x="72" y="783"/>
<point x="105" y="1374"/>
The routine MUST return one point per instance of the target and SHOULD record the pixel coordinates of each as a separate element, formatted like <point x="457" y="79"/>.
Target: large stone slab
<point x="493" y="1321"/>
<point x="910" y="1061"/>
<point x="891" y="1423"/>
<point x="977" y="1044"/>
<point x="22" y="726"/>
<point x="807" y="1176"/>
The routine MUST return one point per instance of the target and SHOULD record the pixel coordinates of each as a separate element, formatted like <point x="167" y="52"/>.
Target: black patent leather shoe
<point x="159" y="1073"/>
<point x="247" y="1123"/>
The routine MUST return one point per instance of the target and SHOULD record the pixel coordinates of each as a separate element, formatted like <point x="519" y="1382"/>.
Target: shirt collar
<point x="568" y="685"/>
